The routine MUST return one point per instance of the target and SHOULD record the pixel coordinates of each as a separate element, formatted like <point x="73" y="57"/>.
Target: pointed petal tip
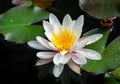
<point x="81" y="17"/>
<point x="74" y="67"/>
<point x="99" y="57"/>
<point x="100" y="35"/>
<point x="67" y="15"/>
<point x="44" y="22"/>
<point x="51" y="15"/>
<point x="57" y="71"/>
<point x="37" y="63"/>
<point x="54" y="21"/>
<point x="45" y="55"/>
<point x="90" y="54"/>
<point x="36" y="45"/>
<point x="79" y="25"/>
<point x="78" y="71"/>
<point x="42" y="62"/>
<point x="29" y="42"/>
<point x="37" y="37"/>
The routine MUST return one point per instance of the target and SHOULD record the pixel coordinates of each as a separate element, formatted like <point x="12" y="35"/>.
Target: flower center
<point x="63" y="39"/>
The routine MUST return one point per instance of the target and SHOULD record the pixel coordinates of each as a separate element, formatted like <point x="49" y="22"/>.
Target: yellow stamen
<point x="63" y="39"/>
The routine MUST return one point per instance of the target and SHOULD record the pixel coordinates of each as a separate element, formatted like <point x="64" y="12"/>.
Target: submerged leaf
<point x="101" y="8"/>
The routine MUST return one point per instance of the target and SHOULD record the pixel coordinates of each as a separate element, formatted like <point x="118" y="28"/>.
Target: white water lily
<point x="64" y="45"/>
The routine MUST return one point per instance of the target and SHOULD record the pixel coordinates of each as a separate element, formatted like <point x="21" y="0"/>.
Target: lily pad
<point x="110" y="80"/>
<point x="116" y="73"/>
<point x="17" y="24"/>
<point x="101" y="8"/>
<point x="110" y="58"/>
<point x="100" y="44"/>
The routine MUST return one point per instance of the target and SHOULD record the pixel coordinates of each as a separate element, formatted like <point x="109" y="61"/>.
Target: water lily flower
<point x="64" y="45"/>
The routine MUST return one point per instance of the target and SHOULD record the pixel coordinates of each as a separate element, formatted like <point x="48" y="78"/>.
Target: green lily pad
<point x="17" y="24"/>
<point x="116" y="73"/>
<point x="110" y="58"/>
<point x="101" y="8"/>
<point x="110" y="80"/>
<point x="98" y="46"/>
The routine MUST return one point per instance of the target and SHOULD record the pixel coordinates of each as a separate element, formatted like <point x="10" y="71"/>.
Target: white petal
<point x="8" y="36"/>
<point x="73" y="22"/>
<point x="36" y="45"/>
<point x="90" y="54"/>
<point x="67" y="21"/>
<point x="51" y="45"/>
<point x="56" y="59"/>
<point x="93" y="38"/>
<point x="48" y="35"/>
<point x="78" y="25"/>
<point x="47" y="26"/>
<point x="43" y="61"/>
<point x="66" y="58"/>
<point x="45" y="55"/>
<point x="78" y="58"/>
<point x="82" y="42"/>
<point x="58" y="70"/>
<point x="54" y="21"/>
<point x="61" y="59"/>
<point x="45" y="43"/>
<point x="74" y="66"/>
<point x="63" y="52"/>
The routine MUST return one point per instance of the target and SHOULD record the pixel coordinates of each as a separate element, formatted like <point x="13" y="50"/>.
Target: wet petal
<point x="78" y="58"/>
<point x="43" y="61"/>
<point x="67" y="21"/>
<point x="61" y="59"/>
<point x="90" y="54"/>
<point x="78" y="25"/>
<point x="54" y="21"/>
<point x="58" y="70"/>
<point x="36" y="45"/>
<point x="45" y="55"/>
<point x="74" y="66"/>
